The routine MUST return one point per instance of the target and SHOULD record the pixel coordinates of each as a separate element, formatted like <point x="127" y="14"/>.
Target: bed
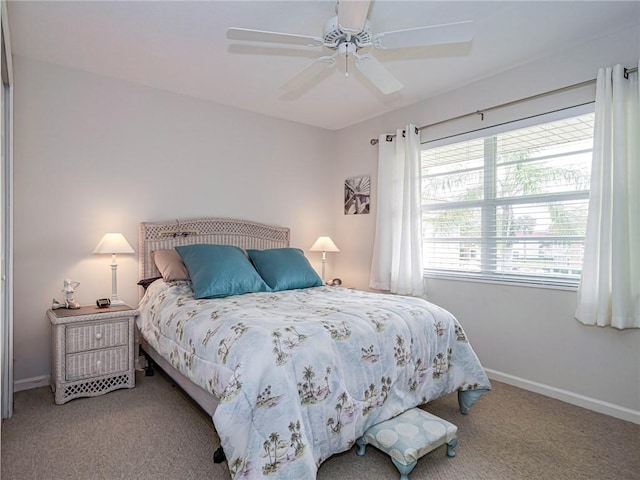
<point x="290" y="375"/>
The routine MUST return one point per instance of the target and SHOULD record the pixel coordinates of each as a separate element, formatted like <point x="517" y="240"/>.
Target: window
<point x="510" y="206"/>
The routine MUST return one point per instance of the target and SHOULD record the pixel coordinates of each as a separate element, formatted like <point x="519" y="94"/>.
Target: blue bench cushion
<point x="410" y="435"/>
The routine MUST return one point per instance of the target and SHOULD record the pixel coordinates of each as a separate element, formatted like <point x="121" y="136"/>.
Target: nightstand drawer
<point x="80" y="338"/>
<point x="97" y="362"/>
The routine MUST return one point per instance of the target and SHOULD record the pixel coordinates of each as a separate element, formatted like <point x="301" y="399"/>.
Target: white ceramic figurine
<point x="68" y="289"/>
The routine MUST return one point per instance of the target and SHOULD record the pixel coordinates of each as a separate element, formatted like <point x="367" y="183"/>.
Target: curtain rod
<point x="627" y="71"/>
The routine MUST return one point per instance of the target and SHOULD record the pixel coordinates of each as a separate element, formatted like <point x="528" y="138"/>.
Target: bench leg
<point x="404" y="469"/>
<point x="450" y="447"/>
<point x="466" y="398"/>
<point x="361" y="446"/>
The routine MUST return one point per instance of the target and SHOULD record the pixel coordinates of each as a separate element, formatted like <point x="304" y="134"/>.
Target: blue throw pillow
<point x="284" y="268"/>
<point x="220" y="271"/>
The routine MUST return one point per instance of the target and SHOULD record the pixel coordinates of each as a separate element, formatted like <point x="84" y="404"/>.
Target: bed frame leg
<point x="149" y="364"/>
<point x="149" y="369"/>
<point x="466" y="398"/>
<point x="218" y="456"/>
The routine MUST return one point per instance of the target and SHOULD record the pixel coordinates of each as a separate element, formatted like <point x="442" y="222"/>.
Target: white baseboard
<point x="33" y="382"/>
<point x="567" y="396"/>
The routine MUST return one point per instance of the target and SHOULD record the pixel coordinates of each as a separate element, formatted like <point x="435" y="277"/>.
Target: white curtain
<point x="609" y="293"/>
<point x="397" y="251"/>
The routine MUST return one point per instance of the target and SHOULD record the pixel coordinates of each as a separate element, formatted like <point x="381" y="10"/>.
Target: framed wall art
<point x="357" y="194"/>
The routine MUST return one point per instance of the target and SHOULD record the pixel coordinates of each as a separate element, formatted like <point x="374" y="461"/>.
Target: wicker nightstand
<point x="92" y="351"/>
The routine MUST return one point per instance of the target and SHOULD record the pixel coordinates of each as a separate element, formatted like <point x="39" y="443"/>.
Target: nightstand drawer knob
<point x="98" y="336"/>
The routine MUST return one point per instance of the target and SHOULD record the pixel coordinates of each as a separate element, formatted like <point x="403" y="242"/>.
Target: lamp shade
<point x="324" y="244"/>
<point x="113" y="243"/>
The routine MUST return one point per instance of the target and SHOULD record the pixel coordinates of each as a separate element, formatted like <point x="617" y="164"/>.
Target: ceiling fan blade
<point x="272" y="37"/>
<point x="352" y="14"/>
<point x="425" y="36"/>
<point x="309" y="73"/>
<point x="377" y="74"/>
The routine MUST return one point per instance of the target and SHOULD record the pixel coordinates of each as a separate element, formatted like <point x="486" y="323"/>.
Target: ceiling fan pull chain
<point x="346" y="64"/>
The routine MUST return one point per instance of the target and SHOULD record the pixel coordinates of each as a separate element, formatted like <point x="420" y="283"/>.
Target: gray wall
<point x="95" y="155"/>
<point x="526" y="336"/>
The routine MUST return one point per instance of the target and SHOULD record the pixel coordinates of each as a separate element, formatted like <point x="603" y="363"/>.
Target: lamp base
<point x="116" y="303"/>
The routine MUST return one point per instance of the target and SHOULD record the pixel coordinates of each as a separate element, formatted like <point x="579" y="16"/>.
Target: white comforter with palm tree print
<point x="301" y="374"/>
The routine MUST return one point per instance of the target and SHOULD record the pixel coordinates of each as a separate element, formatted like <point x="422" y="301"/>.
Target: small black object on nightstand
<point x="103" y="302"/>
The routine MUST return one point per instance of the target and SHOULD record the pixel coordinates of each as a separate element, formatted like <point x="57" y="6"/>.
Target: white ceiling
<point x="182" y="47"/>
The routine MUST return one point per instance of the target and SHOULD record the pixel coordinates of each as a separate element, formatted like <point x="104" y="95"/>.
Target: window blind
<point x="511" y="205"/>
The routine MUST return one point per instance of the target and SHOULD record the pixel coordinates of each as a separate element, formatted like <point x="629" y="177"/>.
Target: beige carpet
<point x="155" y="432"/>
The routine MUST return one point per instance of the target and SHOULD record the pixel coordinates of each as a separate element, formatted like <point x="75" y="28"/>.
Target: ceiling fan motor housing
<point x="333" y="36"/>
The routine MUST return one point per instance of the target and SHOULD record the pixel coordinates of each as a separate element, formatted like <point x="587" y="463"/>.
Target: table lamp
<point x="324" y="245"/>
<point x="114" y="243"/>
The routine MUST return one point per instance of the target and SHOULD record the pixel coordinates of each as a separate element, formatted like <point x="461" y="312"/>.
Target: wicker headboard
<point x="221" y="231"/>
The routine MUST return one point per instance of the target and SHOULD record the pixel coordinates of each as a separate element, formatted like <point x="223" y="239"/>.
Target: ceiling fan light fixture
<point x="346" y="48"/>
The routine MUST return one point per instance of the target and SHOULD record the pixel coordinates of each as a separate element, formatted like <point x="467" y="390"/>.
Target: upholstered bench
<point x="408" y="437"/>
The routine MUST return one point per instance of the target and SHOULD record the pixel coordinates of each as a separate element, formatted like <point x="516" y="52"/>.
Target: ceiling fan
<point x="348" y="33"/>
